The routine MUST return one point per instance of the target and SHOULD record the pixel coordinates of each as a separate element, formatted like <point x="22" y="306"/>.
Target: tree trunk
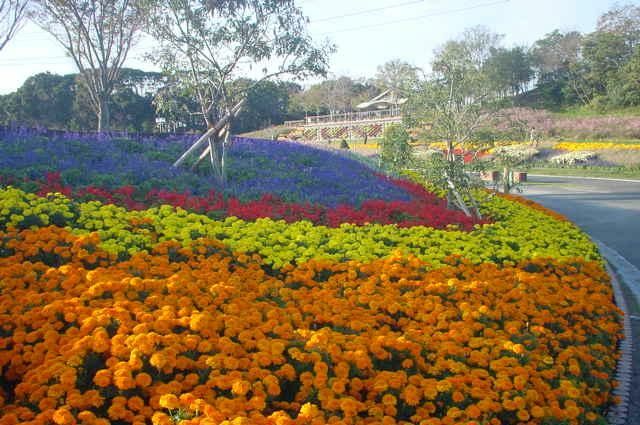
<point x="104" y="115"/>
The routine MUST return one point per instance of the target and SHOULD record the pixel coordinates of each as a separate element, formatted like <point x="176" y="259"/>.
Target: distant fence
<point x="392" y="114"/>
<point x="49" y="132"/>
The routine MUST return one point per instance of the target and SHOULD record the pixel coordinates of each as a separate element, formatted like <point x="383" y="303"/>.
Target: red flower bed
<point x="424" y="209"/>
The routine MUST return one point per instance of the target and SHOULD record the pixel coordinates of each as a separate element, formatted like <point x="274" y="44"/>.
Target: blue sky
<point x="365" y="38"/>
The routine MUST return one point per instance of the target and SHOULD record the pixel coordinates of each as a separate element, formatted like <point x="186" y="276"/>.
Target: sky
<point x="367" y="33"/>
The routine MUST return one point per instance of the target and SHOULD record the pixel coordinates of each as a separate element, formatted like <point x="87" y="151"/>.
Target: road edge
<point x="628" y="273"/>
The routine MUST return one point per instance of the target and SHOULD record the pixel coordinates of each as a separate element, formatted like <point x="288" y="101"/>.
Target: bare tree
<point x="12" y="14"/>
<point x="97" y="35"/>
<point x="205" y="46"/>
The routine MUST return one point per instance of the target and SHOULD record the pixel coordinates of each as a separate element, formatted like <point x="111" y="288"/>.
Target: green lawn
<point x="605" y="172"/>
<point x="586" y="111"/>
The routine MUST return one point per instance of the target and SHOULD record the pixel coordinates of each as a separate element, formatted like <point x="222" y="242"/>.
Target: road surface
<point x="605" y="209"/>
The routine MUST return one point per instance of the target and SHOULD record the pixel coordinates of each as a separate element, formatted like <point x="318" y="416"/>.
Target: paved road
<point x="607" y="210"/>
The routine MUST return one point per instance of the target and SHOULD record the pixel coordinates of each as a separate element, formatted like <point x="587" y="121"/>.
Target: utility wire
<point x="417" y="18"/>
<point x="366" y="11"/>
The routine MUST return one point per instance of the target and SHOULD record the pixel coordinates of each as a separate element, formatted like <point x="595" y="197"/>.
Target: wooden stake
<point x="207" y="151"/>
<point x="213" y="130"/>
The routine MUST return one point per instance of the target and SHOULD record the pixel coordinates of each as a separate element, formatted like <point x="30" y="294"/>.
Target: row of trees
<point x="562" y="69"/>
<point x="204" y="48"/>
<point x="62" y="102"/>
<point x="600" y="68"/>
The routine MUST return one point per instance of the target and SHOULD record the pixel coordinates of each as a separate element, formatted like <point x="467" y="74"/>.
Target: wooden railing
<point x="392" y="114"/>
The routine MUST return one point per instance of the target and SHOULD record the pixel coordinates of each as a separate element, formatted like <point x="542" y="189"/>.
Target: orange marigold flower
<point x="102" y="378"/>
<point x="62" y="416"/>
<point x="240" y="387"/>
<point x="523" y="415"/>
<point x="389" y="400"/>
<point x="537" y="412"/>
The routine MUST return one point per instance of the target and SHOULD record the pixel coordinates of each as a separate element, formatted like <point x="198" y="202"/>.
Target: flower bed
<point x="125" y="301"/>
<point x="520" y="232"/>
<point x="158" y="338"/>
<point x="595" y="146"/>
<point x="290" y="171"/>
<point x="423" y="209"/>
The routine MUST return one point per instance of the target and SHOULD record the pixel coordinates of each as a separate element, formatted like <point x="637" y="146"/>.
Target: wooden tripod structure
<point x="215" y="138"/>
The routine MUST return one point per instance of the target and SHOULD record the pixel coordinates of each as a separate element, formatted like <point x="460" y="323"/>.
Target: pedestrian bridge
<point x="348" y="126"/>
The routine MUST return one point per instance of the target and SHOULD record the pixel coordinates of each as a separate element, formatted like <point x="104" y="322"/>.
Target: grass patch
<point x="586" y="111"/>
<point x="604" y="172"/>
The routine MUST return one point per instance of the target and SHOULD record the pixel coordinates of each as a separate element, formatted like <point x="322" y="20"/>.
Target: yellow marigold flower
<point x="411" y="395"/>
<point x="169" y="401"/>
<point x="143" y="379"/>
<point x="160" y="418"/>
<point x="158" y="360"/>
<point x="443" y="386"/>
<point x="473" y="411"/>
<point x="309" y="410"/>
<point x="135" y="403"/>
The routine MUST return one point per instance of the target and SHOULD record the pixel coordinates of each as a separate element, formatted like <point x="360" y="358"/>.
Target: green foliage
<point x="509" y="70"/>
<point x="44" y="99"/>
<point x="62" y="102"/>
<point x="395" y="150"/>
<point x="266" y="105"/>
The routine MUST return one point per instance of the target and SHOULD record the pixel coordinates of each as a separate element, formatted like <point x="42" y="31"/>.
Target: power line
<point x="367" y="11"/>
<point x="417" y="18"/>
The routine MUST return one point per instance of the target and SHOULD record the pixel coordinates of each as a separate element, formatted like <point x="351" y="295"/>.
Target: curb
<point x="586" y="178"/>
<point x="624" y="370"/>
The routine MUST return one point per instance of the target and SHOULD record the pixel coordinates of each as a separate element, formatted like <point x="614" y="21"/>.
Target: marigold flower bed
<point x="311" y="290"/>
<point x="519" y="233"/>
<point x="595" y="146"/>
<point x="198" y="335"/>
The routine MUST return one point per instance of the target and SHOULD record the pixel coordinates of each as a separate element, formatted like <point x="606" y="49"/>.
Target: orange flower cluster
<point x="201" y="336"/>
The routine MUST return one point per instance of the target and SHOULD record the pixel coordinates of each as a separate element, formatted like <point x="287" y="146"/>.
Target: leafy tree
<point x="622" y="20"/>
<point x="625" y="91"/>
<point x="556" y="61"/>
<point x="454" y="103"/>
<point x="395" y="150"/>
<point x="132" y="112"/>
<point x="332" y="96"/>
<point x="204" y="48"/>
<point x="266" y="105"/>
<point x="141" y="82"/>
<point x="398" y="76"/>
<point x="12" y="15"/>
<point x="97" y="35"/>
<point x="62" y="102"/>
<point x="44" y="99"/>
<point x="604" y="54"/>
<point x="510" y="70"/>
